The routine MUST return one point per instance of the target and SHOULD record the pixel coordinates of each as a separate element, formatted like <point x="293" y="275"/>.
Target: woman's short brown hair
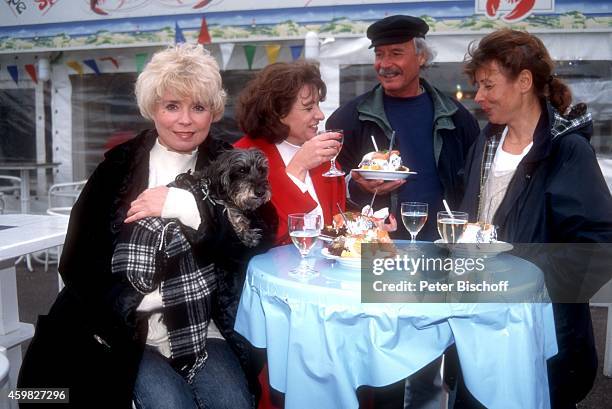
<point x="269" y="96"/>
<point x="515" y="51"/>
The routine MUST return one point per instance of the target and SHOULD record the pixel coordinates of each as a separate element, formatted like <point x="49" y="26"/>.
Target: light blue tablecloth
<point x="323" y="343"/>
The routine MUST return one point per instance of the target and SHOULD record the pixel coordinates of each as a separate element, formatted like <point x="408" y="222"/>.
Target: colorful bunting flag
<point x="249" y="52"/>
<point x="296" y="51"/>
<point x="226" y="53"/>
<point x="93" y="65"/>
<point x="14" y="71"/>
<point x="31" y="70"/>
<point x="272" y="51"/>
<point x="204" y="37"/>
<point x="140" y="59"/>
<point x="178" y="34"/>
<point x="112" y="60"/>
<point x="75" y="65"/>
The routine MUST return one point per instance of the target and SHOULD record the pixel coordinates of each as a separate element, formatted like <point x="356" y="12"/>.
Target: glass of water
<point x="451" y="225"/>
<point x="414" y="216"/>
<point x="304" y="230"/>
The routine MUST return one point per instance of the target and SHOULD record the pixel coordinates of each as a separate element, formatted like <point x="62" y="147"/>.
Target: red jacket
<point x="287" y="198"/>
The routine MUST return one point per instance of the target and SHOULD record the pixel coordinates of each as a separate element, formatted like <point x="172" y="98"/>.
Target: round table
<point x="323" y="343"/>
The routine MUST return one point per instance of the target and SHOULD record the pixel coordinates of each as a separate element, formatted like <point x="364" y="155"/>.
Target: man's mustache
<point x="388" y="71"/>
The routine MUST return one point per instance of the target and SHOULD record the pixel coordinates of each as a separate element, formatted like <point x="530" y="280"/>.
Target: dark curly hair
<point x="515" y="51"/>
<point x="269" y="96"/>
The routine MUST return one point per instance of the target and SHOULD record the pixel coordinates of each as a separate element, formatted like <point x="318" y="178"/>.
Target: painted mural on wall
<point x="33" y="25"/>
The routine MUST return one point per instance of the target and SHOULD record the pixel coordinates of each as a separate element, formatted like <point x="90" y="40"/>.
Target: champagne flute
<point x="451" y="225"/>
<point x="304" y="230"/>
<point x="333" y="170"/>
<point x="414" y="216"/>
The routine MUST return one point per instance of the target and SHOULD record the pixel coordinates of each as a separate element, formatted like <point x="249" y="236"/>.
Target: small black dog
<point x="237" y="180"/>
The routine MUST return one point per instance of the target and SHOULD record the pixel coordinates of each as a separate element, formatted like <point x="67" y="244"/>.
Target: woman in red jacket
<point x="279" y="112"/>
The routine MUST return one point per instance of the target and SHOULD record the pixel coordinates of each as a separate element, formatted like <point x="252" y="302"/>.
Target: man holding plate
<point x="432" y="131"/>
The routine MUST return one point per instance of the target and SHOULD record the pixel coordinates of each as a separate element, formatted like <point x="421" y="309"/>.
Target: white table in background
<point x="21" y="234"/>
<point x="24" y="168"/>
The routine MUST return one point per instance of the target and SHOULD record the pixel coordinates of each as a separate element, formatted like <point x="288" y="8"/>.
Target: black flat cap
<point x="396" y="29"/>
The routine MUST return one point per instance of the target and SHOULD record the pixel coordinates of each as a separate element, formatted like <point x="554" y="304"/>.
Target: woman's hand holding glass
<point x="304" y="230"/>
<point x="320" y="149"/>
<point x="339" y="136"/>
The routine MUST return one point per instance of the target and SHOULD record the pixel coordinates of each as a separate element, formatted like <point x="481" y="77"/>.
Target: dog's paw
<point x="251" y="237"/>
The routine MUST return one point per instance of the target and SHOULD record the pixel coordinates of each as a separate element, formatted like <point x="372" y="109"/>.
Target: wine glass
<point x="304" y="230"/>
<point x="333" y="170"/>
<point x="451" y="225"/>
<point x="414" y="216"/>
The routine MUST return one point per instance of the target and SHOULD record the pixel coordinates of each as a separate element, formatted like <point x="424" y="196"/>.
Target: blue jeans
<point x="219" y="384"/>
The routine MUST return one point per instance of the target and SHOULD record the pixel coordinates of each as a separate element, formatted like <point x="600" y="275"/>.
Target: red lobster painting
<point x="522" y="8"/>
<point x="97" y="5"/>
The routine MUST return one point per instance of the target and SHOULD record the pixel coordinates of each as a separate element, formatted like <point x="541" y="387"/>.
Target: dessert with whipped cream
<point x="479" y="233"/>
<point x="361" y="228"/>
<point x="383" y="160"/>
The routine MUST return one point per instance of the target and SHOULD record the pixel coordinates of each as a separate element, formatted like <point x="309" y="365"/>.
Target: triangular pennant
<point x="75" y="65"/>
<point x="31" y="70"/>
<point x="14" y="71"/>
<point x="296" y="51"/>
<point x="226" y="53"/>
<point x="112" y="60"/>
<point x="272" y="51"/>
<point x="140" y="60"/>
<point x="178" y="34"/>
<point x="249" y="52"/>
<point x="93" y="65"/>
<point x="204" y="37"/>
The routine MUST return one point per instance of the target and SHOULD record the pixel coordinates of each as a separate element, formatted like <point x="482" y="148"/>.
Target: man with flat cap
<point x="432" y="132"/>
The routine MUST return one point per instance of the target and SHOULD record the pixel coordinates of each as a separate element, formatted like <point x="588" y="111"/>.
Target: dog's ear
<point x="226" y="162"/>
<point x="260" y="160"/>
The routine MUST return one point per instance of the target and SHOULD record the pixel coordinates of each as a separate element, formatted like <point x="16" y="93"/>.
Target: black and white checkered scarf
<point x="155" y="252"/>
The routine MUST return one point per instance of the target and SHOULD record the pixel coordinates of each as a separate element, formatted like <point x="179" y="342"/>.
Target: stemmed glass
<point x="451" y="225"/>
<point x="333" y="170"/>
<point x="304" y="230"/>
<point x="414" y="216"/>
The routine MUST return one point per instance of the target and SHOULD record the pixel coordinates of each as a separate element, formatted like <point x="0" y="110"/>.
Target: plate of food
<point x="385" y="165"/>
<point x="491" y="249"/>
<point x="350" y="230"/>
<point x="384" y="174"/>
<point x="349" y="262"/>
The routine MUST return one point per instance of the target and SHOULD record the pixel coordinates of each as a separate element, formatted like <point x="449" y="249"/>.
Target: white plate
<point x="470" y="249"/>
<point x="350" y="262"/>
<point x="384" y="174"/>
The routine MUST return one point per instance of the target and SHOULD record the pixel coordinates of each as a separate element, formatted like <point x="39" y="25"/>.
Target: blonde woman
<point x="102" y="336"/>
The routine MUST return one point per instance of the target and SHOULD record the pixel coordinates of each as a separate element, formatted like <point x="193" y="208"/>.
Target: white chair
<point x="11" y="185"/>
<point x="62" y="197"/>
<point x="4" y="379"/>
<point x="8" y="185"/>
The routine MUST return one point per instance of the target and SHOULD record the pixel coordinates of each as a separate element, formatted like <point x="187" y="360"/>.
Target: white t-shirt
<point x="502" y="170"/>
<point x="505" y="162"/>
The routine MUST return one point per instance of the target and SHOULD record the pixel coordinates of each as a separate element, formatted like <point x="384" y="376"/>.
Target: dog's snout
<point x="260" y="192"/>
